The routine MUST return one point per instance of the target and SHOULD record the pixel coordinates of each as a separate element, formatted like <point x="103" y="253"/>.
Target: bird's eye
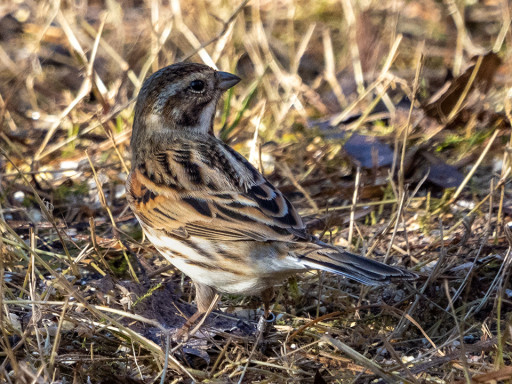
<point x="197" y="86"/>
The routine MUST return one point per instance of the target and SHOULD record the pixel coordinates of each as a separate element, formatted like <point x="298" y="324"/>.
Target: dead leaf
<point x="441" y="104"/>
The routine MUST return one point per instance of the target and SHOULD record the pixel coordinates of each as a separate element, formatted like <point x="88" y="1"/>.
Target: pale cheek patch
<point x="153" y="120"/>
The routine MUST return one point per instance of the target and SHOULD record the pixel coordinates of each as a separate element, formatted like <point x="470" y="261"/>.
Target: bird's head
<point x="180" y="97"/>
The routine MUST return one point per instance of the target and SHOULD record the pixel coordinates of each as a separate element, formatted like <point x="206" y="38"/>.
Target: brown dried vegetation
<point x="386" y="123"/>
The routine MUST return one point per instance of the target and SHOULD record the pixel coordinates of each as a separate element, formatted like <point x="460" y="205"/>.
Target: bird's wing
<point x="221" y="198"/>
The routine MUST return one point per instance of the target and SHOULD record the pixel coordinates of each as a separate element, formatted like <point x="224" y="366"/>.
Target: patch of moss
<point x="67" y="191"/>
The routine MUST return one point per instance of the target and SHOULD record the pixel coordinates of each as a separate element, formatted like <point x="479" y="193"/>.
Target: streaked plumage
<point x="207" y="209"/>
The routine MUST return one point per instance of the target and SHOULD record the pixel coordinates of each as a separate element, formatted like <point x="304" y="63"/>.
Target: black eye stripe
<point x="197" y="85"/>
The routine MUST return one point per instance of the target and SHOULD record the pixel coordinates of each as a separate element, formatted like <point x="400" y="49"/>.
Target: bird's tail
<point x="366" y="271"/>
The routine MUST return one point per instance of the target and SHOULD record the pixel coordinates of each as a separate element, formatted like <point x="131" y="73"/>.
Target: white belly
<point x="256" y="268"/>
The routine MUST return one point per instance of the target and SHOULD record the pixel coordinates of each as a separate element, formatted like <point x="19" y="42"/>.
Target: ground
<point x="387" y="124"/>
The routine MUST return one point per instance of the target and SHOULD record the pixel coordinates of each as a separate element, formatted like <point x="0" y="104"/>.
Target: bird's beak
<point x="227" y="80"/>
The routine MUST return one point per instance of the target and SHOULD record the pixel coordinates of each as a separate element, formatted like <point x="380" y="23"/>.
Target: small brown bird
<point x="207" y="210"/>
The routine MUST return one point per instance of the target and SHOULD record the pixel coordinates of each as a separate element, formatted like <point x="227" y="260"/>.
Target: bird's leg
<point x="213" y="303"/>
<point x="206" y="299"/>
<point x="265" y="321"/>
<point x="268" y="317"/>
<point x="267" y="295"/>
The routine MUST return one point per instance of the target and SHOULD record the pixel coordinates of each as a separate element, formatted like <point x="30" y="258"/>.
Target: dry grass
<point x="84" y="299"/>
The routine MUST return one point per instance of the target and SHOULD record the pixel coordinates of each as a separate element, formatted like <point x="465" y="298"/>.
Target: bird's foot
<point x="184" y="332"/>
<point x="203" y="311"/>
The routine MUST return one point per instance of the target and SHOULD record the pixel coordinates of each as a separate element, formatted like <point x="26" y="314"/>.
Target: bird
<point x="210" y="212"/>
